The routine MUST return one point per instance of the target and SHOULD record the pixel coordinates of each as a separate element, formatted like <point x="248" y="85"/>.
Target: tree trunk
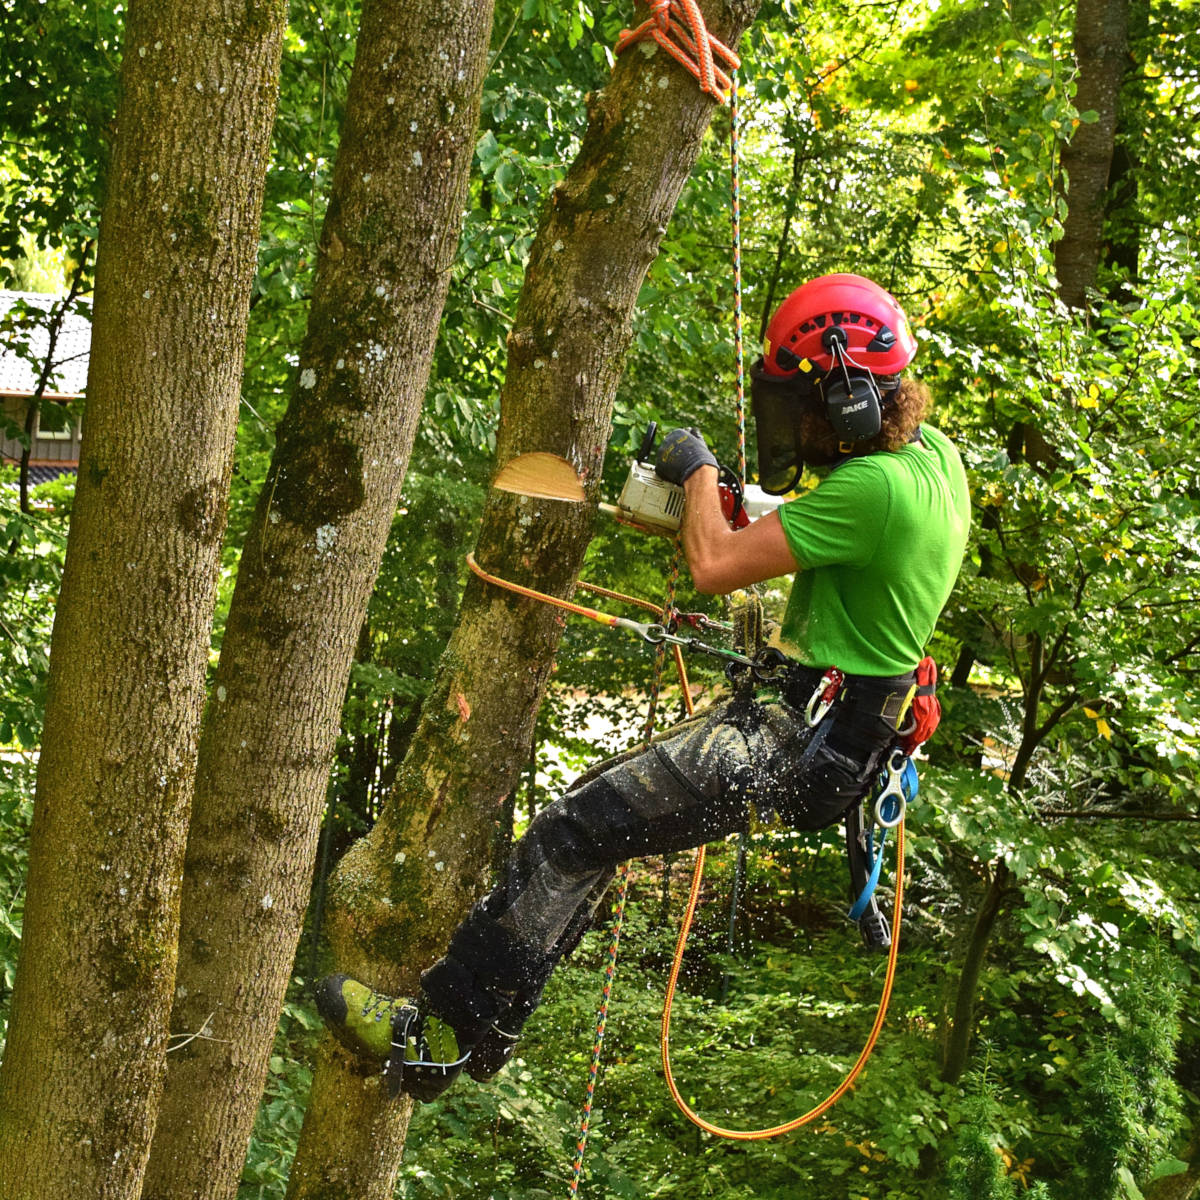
<point x="1122" y="249"/>
<point x="400" y="891"/>
<point x="1101" y="46"/>
<point x="957" y="1045"/>
<point x="308" y="566"/>
<point x="84" y="1063"/>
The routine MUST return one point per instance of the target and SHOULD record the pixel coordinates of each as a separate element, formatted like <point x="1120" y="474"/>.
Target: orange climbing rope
<point x="687" y="41"/>
<point x="754" y="1135"/>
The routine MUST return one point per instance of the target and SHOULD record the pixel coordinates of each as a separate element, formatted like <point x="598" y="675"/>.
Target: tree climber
<point x="875" y="549"/>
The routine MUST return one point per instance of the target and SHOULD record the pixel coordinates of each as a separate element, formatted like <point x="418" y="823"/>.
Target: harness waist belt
<point x="886" y="696"/>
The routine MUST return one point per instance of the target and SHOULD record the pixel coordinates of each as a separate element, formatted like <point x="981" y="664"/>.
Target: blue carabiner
<point x="864" y="897"/>
<point x="895" y="785"/>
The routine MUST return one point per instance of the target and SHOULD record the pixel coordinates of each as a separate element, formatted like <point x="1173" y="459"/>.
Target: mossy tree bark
<point x="1101" y="49"/>
<point x="401" y="890"/>
<point x="83" y="1067"/>
<point x="308" y="566"/>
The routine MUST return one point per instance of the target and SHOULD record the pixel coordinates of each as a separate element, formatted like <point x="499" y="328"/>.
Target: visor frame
<point x="777" y="403"/>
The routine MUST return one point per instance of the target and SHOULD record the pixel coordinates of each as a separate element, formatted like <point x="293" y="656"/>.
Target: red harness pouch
<point x="925" y="711"/>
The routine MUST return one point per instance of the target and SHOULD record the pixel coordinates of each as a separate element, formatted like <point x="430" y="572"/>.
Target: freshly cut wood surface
<point x="540" y="474"/>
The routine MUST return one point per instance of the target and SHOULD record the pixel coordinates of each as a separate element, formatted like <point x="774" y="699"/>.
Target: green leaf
<point x="1129" y="1186"/>
<point x="1169" y="1166"/>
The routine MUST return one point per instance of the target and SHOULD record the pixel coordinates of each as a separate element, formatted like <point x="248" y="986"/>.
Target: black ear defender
<point x="852" y="400"/>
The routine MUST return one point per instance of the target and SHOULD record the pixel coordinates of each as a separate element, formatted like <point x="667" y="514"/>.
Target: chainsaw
<point x="653" y="505"/>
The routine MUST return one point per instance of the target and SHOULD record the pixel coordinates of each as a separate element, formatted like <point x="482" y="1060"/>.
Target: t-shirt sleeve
<point x="841" y="520"/>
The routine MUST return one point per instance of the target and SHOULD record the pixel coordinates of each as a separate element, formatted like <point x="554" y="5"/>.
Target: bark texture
<point x="401" y="890"/>
<point x="308" y="567"/>
<point x="84" y="1062"/>
<point x="1101" y="49"/>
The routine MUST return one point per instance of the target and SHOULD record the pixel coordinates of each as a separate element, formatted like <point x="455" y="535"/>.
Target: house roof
<point x="39" y="474"/>
<point x="18" y="377"/>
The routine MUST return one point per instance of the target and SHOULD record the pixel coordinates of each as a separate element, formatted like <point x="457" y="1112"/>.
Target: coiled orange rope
<point x="754" y="1135"/>
<point x="688" y="42"/>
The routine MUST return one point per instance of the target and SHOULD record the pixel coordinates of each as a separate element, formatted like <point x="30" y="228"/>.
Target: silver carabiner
<point x="657" y="634"/>
<point x="829" y="685"/>
<point x="890" y="802"/>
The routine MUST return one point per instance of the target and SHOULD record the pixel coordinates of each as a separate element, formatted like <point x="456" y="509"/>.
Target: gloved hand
<point x="682" y="452"/>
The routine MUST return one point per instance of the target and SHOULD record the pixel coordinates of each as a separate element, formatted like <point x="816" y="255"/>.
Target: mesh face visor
<point x="776" y="405"/>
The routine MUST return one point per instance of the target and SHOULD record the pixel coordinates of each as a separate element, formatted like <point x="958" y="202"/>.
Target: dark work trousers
<point x="692" y="787"/>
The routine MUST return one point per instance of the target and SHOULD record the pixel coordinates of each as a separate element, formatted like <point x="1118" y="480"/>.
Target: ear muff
<point x="852" y="399"/>
<point x="853" y="404"/>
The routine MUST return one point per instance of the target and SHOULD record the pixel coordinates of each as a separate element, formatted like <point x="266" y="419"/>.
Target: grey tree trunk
<point x="1100" y="51"/>
<point x="1101" y="48"/>
<point x="83" y="1067"/>
<point x="401" y="890"/>
<point x="308" y="567"/>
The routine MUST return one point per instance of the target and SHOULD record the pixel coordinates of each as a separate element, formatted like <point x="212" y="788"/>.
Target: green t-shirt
<point x="879" y="543"/>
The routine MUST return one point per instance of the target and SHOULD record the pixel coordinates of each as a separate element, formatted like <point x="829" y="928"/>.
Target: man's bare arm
<point x="721" y="559"/>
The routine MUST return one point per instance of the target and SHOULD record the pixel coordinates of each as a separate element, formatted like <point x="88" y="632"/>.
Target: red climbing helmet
<point x="836" y="345"/>
<point x="877" y="337"/>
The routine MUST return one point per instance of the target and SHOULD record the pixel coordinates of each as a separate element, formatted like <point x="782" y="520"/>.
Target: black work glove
<point x="682" y="452"/>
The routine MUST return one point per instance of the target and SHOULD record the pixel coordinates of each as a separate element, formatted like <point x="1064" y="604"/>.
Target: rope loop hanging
<point x="688" y="42"/>
<point x="851" y="1076"/>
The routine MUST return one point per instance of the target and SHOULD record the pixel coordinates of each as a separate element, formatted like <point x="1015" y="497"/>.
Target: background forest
<point x="284" y="729"/>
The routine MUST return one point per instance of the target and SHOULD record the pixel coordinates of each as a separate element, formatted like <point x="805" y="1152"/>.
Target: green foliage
<point x="1129" y="1100"/>
<point x="31" y="560"/>
<point x="408" y="621"/>
<point x="16" y="815"/>
<point x="58" y="87"/>
<point x="918" y="144"/>
<point x="976" y="1169"/>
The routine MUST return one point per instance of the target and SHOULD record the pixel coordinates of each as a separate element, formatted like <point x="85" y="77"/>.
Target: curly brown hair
<point x="904" y="408"/>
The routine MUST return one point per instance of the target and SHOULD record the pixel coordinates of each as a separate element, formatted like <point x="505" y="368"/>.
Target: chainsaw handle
<point x="646" y="450"/>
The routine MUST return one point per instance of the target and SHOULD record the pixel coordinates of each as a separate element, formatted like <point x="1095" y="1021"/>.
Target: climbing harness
<point x="896" y="786"/>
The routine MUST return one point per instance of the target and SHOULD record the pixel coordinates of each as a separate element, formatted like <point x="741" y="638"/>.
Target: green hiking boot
<point x="420" y="1053"/>
<point x="361" y="1019"/>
